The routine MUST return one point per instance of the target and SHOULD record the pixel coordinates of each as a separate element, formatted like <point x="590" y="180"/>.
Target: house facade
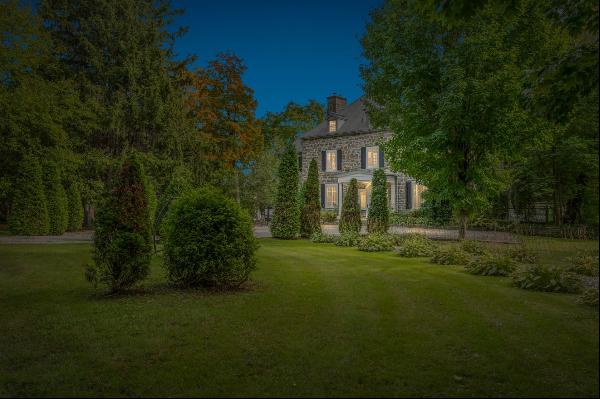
<point x="345" y="146"/>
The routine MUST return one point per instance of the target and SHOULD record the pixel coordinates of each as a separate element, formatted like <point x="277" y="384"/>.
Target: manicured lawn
<point x="316" y="320"/>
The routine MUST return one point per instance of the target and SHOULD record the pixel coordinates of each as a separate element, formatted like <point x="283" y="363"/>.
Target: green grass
<point x="316" y="320"/>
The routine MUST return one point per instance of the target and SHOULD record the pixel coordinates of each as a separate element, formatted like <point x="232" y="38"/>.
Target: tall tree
<point x="56" y="199"/>
<point x="29" y="214"/>
<point x="378" y="219"/>
<point x="286" y="216"/>
<point x="311" y="204"/>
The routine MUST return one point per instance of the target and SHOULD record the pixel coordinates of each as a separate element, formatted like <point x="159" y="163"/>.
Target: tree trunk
<point x="462" y="224"/>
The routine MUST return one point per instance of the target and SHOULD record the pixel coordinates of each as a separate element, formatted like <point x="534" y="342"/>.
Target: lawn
<point x="316" y="320"/>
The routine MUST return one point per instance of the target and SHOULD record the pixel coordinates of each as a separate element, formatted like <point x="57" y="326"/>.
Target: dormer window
<point x="332" y="126"/>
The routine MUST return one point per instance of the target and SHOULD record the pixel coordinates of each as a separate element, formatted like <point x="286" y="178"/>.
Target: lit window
<point x="362" y="195"/>
<point x="372" y="157"/>
<point x="330" y="195"/>
<point x="332" y="126"/>
<point x="331" y="160"/>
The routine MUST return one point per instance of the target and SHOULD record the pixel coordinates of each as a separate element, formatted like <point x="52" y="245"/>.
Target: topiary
<point x="376" y="242"/>
<point x="322" y="238"/>
<point x="350" y="217"/>
<point x="286" y="215"/>
<point x="415" y="245"/>
<point x="451" y="255"/>
<point x="347" y="239"/>
<point x="208" y="241"/>
<point x="379" y="213"/>
<point x="311" y="206"/>
<point x="122" y="239"/>
<point x="545" y="278"/>
<point x="75" y="207"/>
<point x="489" y="265"/>
<point x="29" y="213"/>
<point x="56" y="199"/>
<point x="473" y="247"/>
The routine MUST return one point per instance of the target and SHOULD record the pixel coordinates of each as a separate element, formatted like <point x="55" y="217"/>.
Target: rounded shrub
<point x="29" y="213"/>
<point x="350" y="217"/>
<point x="311" y="206"/>
<point x="450" y="255"/>
<point x="473" y="247"/>
<point x="415" y="245"/>
<point x="376" y="242"/>
<point x="286" y="215"/>
<point x="208" y="241"/>
<point x="322" y="238"/>
<point x="545" y="278"/>
<point x="75" y="207"/>
<point x="347" y="239"/>
<point x="378" y="219"/>
<point x="56" y="199"/>
<point x="490" y="265"/>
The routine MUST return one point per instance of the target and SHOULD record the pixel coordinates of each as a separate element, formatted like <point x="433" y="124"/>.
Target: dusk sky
<point x="294" y="50"/>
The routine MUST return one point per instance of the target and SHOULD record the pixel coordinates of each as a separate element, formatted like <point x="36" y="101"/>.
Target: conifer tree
<point x="56" y="199"/>
<point x="311" y="207"/>
<point x="286" y="216"/>
<point x="29" y="214"/>
<point x="350" y="217"/>
<point x="75" y="207"/>
<point x="379" y="214"/>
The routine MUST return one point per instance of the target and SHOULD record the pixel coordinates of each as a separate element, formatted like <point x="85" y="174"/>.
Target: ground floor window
<point x="331" y="195"/>
<point x="362" y="197"/>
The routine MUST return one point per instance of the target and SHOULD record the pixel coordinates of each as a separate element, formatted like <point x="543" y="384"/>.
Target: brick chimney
<point x="335" y="106"/>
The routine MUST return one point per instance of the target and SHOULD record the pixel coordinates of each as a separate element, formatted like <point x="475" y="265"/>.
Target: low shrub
<point x="545" y="278"/>
<point x="589" y="295"/>
<point x="415" y="245"/>
<point x="376" y="242"/>
<point x="322" y="238"/>
<point x="208" y="241"/>
<point x="522" y="254"/>
<point x="473" y="247"/>
<point x="490" y="265"/>
<point x="450" y="255"/>
<point x="328" y="216"/>
<point x="583" y="264"/>
<point x="414" y="218"/>
<point x="347" y="239"/>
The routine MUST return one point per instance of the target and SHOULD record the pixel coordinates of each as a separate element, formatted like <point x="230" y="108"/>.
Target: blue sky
<point x="294" y="50"/>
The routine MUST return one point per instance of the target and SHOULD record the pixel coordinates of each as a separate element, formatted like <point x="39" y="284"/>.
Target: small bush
<point x="415" y="245"/>
<point x="347" y="239"/>
<point x="322" y="238"/>
<point x="451" y="255"/>
<point x="489" y="265"/>
<point x="583" y="264"/>
<point x="208" y="241"/>
<point x="376" y="242"/>
<point x="473" y="247"/>
<point x="545" y="278"/>
<point x="522" y="254"/>
<point x="328" y="216"/>
<point x="414" y="218"/>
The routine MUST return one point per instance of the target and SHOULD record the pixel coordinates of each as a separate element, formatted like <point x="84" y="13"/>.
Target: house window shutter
<point x="339" y="159"/>
<point x="363" y="157"/>
<point x="322" y="196"/>
<point x="300" y="161"/>
<point x="380" y="158"/>
<point x="408" y="195"/>
<point x="323" y="160"/>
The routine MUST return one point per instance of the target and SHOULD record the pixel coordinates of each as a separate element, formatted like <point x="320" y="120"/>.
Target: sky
<point x="294" y="50"/>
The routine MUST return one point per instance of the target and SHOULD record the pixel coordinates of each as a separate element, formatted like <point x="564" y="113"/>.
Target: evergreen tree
<point x="75" y="207"/>
<point x="179" y="183"/>
<point x="56" y="199"/>
<point x="379" y="214"/>
<point x="286" y="216"/>
<point x="29" y="214"/>
<point x="122" y="241"/>
<point x="350" y="217"/>
<point x="311" y="207"/>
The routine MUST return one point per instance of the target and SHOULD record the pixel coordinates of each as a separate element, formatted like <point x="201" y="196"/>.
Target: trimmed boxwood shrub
<point x="286" y="215"/>
<point x="208" y="241"/>
<point x="451" y="255"/>
<point x="122" y="239"/>
<point x="473" y="247"/>
<point x="379" y="213"/>
<point x="376" y="242"/>
<point x="490" y="265"/>
<point x="350" y="217"/>
<point x="415" y="245"/>
<point x="311" y="204"/>
<point x="545" y="278"/>
<point x="56" y="199"/>
<point x="322" y="238"/>
<point x="347" y="239"/>
<point x="29" y="213"/>
<point x="75" y="207"/>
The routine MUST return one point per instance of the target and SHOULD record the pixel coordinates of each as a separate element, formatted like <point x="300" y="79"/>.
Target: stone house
<point x="345" y="146"/>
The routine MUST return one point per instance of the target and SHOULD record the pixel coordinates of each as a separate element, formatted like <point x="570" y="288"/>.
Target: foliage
<point x="208" y="241"/>
<point x="75" y="207"/>
<point x="56" y="199"/>
<point x="29" y="214"/>
<point x="413" y="218"/>
<point x="523" y="254"/>
<point x="450" y="255"/>
<point x="350" y="217"/>
<point x="491" y="265"/>
<point x="376" y="242"/>
<point x="311" y="204"/>
<point x="328" y="216"/>
<point x="322" y="238"/>
<point x="179" y="183"/>
<point x="416" y="245"/>
<point x="589" y="295"/>
<point x="122" y="240"/>
<point x="379" y="213"/>
<point x="545" y="278"/>
<point x="583" y="264"/>
<point x="347" y="239"/>
<point x="286" y="216"/>
<point x="473" y="247"/>
<point x="438" y="212"/>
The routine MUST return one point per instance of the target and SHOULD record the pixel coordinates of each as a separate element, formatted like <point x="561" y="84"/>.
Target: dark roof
<point x="352" y="120"/>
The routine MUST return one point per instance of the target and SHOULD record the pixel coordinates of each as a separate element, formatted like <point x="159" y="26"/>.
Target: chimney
<point x="335" y="106"/>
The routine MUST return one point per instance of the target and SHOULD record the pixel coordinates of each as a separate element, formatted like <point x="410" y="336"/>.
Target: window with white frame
<point x="372" y="157"/>
<point x="331" y="160"/>
<point x="332" y="126"/>
<point x="331" y="196"/>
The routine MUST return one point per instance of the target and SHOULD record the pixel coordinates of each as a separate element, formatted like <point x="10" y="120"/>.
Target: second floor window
<point x="332" y="126"/>
<point x="372" y="157"/>
<point x="331" y="160"/>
